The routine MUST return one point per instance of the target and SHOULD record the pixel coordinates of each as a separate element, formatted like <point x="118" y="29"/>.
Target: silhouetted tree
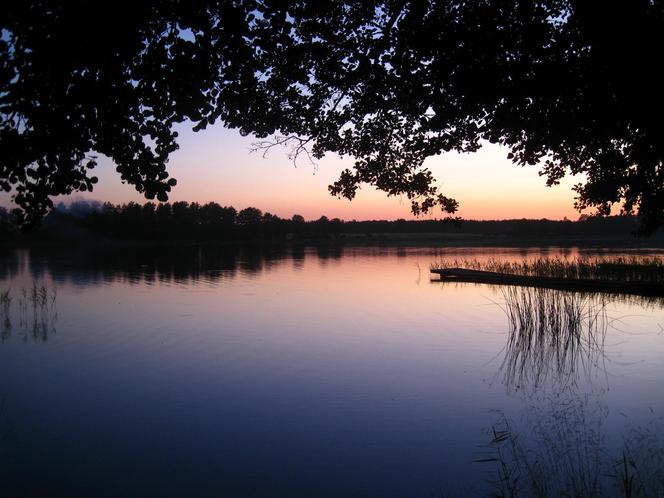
<point x="249" y="216"/>
<point x="272" y="226"/>
<point x="149" y="210"/>
<point x="228" y="215"/>
<point x="150" y="222"/>
<point x="163" y="214"/>
<point x="210" y="213"/>
<point x="571" y="85"/>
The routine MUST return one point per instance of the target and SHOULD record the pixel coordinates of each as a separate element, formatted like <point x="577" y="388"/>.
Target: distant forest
<point x="213" y="222"/>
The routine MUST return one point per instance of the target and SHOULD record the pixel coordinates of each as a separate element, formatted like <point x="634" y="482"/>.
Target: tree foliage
<point x="568" y="85"/>
<point x="211" y="222"/>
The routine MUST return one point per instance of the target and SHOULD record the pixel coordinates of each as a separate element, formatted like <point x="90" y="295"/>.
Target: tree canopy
<point x="569" y="85"/>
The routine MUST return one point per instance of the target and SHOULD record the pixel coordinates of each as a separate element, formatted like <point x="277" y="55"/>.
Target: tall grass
<point x="37" y="311"/>
<point x="553" y="337"/>
<point x="562" y="451"/>
<point x="552" y="334"/>
<point x="622" y="269"/>
<point x="5" y="320"/>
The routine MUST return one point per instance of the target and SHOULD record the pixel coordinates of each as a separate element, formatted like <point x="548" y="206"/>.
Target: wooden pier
<point x="571" y="284"/>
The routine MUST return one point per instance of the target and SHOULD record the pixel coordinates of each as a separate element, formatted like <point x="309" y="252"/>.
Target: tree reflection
<point x="150" y="264"/>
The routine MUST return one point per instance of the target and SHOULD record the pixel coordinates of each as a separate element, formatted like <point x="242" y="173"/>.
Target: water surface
<point x="316" y="372"/>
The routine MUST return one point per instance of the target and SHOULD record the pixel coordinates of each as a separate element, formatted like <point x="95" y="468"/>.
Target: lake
<point x="311" y="372"/>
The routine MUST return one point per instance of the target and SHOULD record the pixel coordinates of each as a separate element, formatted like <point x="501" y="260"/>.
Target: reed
<point x="563" y="452"/>
<point x="5" y="301"/>
<point x="5" y="320"/>
<point x="552" y="335"/>
<point x="37" y="311"/>
<point x="622" y="269"/>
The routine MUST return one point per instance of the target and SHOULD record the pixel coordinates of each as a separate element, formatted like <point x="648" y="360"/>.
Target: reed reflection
<point x="567" y="443"/>
<point x="553" y="336"/>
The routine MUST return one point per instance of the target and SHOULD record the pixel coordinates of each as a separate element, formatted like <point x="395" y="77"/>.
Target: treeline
<point x="585" y="226"/>
<point x="214" y="222"/>
<point x="185" y="221"/>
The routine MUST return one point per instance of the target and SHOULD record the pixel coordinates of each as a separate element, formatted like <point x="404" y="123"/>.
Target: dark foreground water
<point x="312" y="373"/>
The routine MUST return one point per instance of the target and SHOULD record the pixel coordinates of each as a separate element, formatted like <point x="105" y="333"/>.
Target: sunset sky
<point x="217" y="165"/>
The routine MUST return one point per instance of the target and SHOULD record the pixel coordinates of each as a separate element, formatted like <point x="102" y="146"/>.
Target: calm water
<point x="298" y="373"/>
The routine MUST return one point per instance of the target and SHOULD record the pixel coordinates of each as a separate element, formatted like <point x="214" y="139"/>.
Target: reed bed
<point x="5" y="320"/>
<point x="36" y="312"/>
<point x="555" y="336"/>
<point x="561" y="450"/>
<point x="5" y="301"/>
<point x="552" y="334"/>
<point x="620" y="269"/>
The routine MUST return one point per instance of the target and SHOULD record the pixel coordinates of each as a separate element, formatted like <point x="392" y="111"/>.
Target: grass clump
<point x="36" y="311"/>
<point x="563" y="451"/>
<point x="552" y="334"/>
<point x="621" y="269"/>
<point x="5" y="320"/>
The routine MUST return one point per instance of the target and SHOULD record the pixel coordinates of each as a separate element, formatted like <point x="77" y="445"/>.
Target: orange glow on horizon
<point x="216" y="165"/>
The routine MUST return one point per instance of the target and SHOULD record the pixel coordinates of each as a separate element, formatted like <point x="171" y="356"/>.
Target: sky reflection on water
<point x="281" y="372"/>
